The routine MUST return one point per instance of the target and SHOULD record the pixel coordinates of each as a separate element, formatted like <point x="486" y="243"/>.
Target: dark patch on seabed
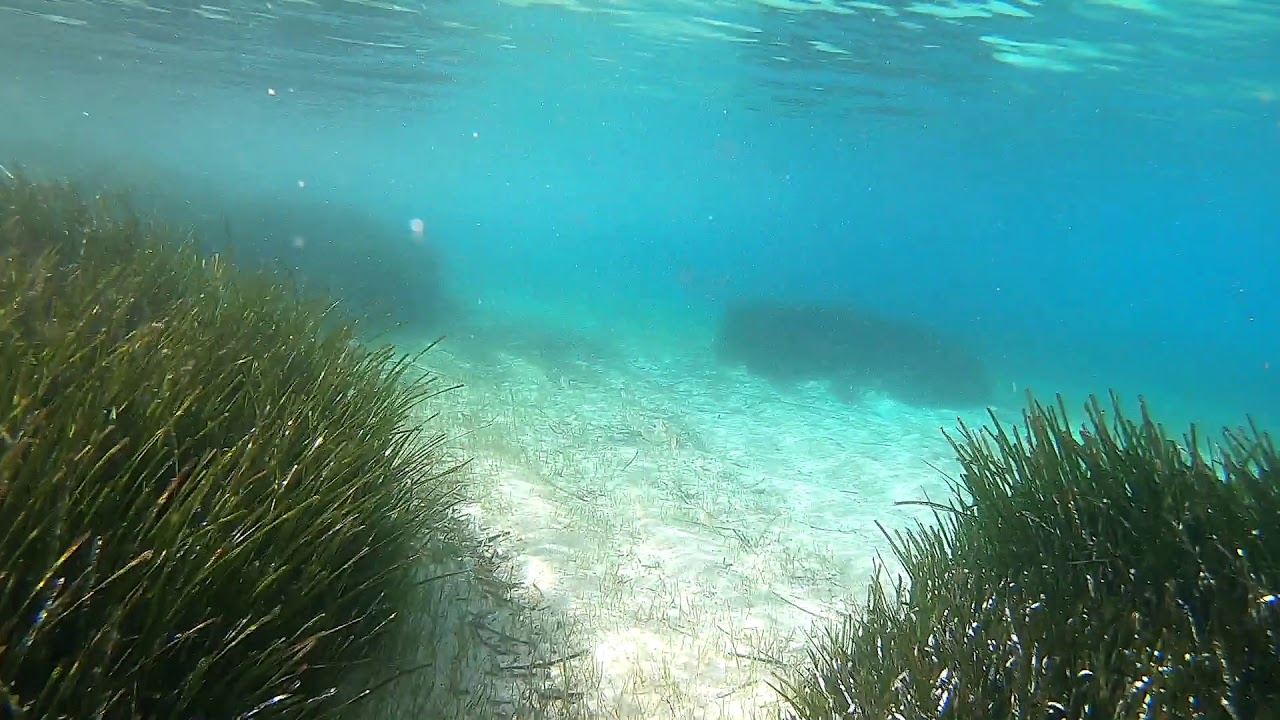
<point x="383" y="276"/>
<point x="854" y="350"/>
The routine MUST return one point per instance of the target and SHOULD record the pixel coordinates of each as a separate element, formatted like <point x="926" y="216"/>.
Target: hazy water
<point x="1086" y="191"/>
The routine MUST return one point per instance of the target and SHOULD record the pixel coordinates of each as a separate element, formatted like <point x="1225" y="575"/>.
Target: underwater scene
<point x="639" y="359"/>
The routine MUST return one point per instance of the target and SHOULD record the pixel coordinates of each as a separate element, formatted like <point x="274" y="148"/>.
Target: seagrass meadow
<point x="214" y="501"/>
<point x="219" y="499"/>
<point x="1106" y="573"/>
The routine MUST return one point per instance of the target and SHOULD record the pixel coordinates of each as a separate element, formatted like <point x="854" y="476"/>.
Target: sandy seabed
<point x="694" y="523"/>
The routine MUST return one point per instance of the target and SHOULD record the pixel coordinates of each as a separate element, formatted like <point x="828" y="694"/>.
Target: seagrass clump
<point x="1109" y="573"/>
<point x="211" y="498"/>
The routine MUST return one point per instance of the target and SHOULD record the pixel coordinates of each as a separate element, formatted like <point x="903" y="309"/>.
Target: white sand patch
<point x="694" y="521"/>
<point x="540" y="574"/>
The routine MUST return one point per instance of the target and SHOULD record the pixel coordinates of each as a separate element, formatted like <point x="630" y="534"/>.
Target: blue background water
<point x="1106" y="222"/>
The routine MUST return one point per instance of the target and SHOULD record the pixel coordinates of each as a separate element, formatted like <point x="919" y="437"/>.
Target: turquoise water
<point x="713" y="274"/>
<point x="1082" y="192"/>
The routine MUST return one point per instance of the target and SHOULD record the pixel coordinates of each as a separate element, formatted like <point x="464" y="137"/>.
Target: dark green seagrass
<point x="1110" y="573"/>
<point x="211" y="498"/>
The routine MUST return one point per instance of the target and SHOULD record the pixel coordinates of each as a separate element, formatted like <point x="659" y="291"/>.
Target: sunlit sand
<point x="694" y="522"/>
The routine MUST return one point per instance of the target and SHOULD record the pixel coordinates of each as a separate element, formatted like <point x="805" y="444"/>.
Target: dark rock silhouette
<point x="853" y="349"/>
<point x="373" y="266"/>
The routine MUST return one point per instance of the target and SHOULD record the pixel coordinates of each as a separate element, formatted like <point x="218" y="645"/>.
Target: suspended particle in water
<point x="271" y="92"/>
<point x="302" y="183"/>
<point x="299" y="242"/>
